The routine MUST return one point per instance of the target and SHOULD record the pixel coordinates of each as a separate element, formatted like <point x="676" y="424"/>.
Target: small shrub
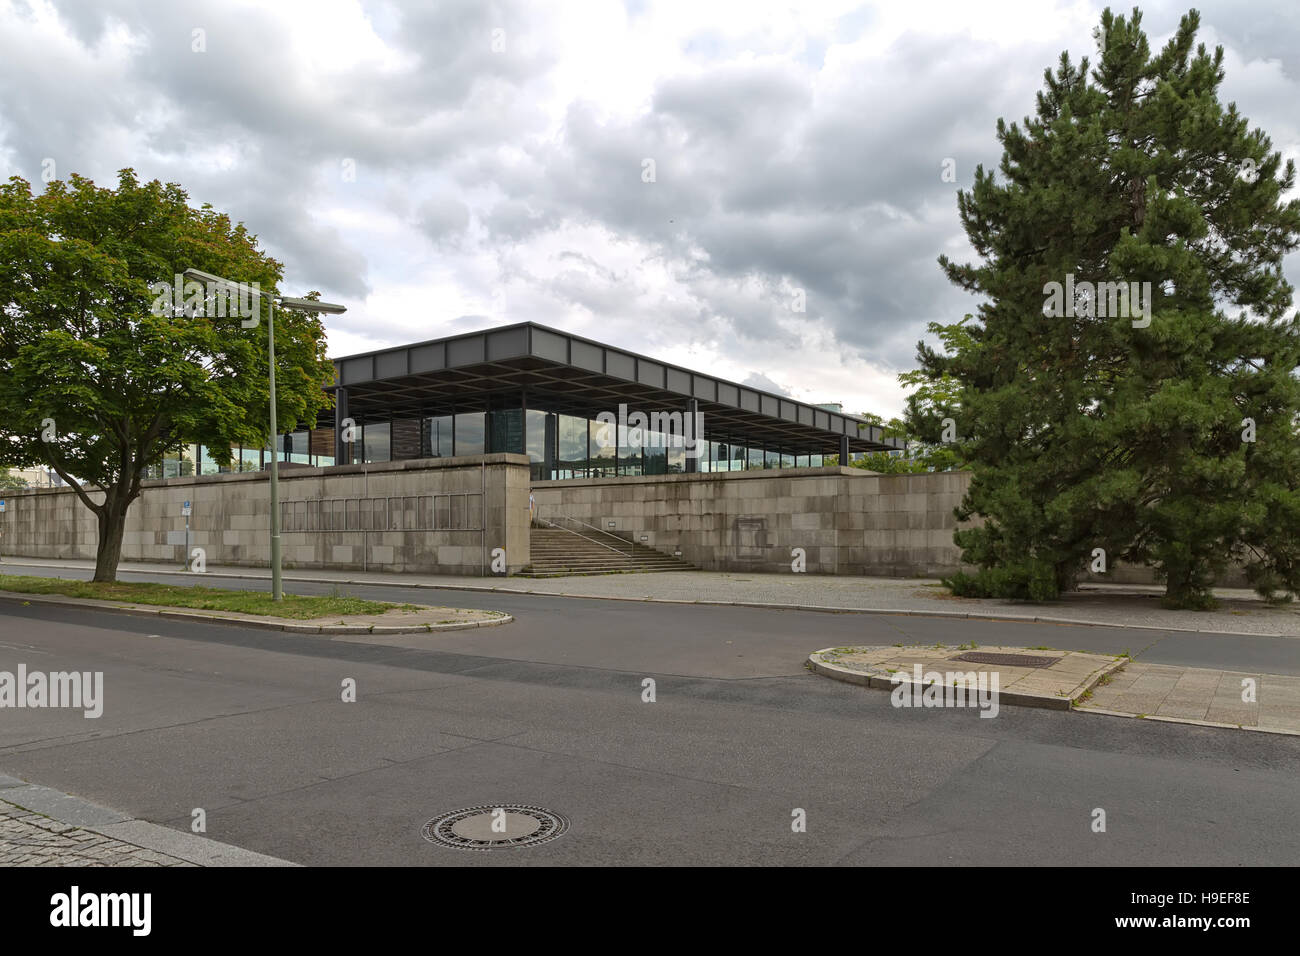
<point x="1028" y="581"/>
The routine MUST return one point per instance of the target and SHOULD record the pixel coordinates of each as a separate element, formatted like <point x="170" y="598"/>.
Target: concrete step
<point x="595" y="559"/>
<point x="597" y="565"/>
<point x="557" y="552"/>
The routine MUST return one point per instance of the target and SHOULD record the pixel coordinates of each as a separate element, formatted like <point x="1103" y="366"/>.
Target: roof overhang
<point x="577" y="376"/>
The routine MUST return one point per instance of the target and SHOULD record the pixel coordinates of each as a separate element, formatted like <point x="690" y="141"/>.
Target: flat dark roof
<point x="578" y="376"/>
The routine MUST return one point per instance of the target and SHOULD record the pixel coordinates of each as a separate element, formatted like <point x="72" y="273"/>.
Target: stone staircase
<point x="558" y="551"/>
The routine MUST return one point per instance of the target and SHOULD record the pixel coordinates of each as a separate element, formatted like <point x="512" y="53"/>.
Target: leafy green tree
<point x="97" y="379"/>
<point x="928" y="427"/>
<point x="11" y="482"/>
<point x="883" y="461"/>
<point x="934" y="406"/>
<point x="1143" y="420"/>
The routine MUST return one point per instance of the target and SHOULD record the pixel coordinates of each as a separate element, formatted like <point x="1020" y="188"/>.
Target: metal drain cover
<point x="473" y="829"/>
<point x="1007" y="660"/>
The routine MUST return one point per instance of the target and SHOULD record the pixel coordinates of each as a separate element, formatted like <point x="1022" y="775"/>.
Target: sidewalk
<point x="1130" y="606"/>
<point x="1070" y="680"/>
<point x="1199" y="696"/>
<point x="29" y="839"/>
<point x="44" y="827"/>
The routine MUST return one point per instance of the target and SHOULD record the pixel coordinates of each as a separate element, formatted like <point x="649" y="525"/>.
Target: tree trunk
<point x="108" y="551"/>
<point x="1186" y="590"/>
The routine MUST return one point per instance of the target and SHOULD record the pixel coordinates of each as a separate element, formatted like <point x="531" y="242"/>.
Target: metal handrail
<point x="631" y="551"/>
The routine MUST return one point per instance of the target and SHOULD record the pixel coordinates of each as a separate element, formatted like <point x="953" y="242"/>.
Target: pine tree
<point x="1130" y="383"/>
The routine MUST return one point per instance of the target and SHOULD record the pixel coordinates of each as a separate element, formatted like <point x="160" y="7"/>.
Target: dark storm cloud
<point x="784" y="167"/>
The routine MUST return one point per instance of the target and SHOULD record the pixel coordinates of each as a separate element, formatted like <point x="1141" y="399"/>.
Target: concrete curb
<point x="1019" y="698"/>
<point x="1185" y="720"/>
<point x="1001" y="617"/>
<point x="187" y="847"/>
<point x="211" y="617"/>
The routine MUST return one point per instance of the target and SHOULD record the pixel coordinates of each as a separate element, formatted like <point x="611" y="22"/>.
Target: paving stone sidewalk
<point x="1200" y="695"/>
<point x="31" y="839"/>
<point x="40" y="826"/>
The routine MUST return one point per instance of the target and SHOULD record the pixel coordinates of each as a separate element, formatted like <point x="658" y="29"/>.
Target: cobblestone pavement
<point x="30" y="839"/>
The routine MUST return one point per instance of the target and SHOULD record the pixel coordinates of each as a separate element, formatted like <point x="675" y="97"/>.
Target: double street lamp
<point x="295" y="305"/>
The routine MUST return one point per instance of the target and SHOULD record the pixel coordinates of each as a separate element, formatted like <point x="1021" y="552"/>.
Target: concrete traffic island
<point x="1030" y="677"/>
<point x="413" y="619"/>
<point x="1070" y="680"/>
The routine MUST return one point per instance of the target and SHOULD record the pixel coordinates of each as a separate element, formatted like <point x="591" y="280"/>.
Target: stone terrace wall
<point x="847" y="520"/>
<point x="437" y="515"/>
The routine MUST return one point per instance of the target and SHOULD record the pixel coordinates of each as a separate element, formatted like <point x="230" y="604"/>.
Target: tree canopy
<point x="100" y="374"/>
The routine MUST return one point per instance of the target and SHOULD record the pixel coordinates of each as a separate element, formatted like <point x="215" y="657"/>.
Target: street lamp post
<point x="296" y="305"/>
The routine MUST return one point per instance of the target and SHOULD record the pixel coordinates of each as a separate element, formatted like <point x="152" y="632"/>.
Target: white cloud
<point x="798" y="146"/>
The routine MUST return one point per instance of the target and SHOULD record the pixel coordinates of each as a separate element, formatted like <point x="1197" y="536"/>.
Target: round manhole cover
<point x="483" y="828"/>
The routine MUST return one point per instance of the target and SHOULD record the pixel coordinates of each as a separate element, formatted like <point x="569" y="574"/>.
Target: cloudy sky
<point x="442" y="166"/>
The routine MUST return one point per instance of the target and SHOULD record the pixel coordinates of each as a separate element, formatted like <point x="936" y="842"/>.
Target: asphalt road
<point x="548" y="711"/>
<point x="695" y="641"/>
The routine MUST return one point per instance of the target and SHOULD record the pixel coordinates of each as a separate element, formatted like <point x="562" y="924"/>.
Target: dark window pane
<point x="469" y="433"/>
<point x="375" y="441"/>
<point x="435" y="438"/>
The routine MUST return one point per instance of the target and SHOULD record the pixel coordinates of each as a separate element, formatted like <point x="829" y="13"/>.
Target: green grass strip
<point x="296" y="606"/>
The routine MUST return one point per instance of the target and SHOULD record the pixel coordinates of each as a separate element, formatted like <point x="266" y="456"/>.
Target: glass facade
<point x="559" y="444"/>
<point x="314" y="447"/>
<point x="562" y="446"/>
<point x="295" y="447"/>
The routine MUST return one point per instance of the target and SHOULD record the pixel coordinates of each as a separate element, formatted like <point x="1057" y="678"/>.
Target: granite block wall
<point x="845" y="520"/>
<point x="443" y="516"/>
